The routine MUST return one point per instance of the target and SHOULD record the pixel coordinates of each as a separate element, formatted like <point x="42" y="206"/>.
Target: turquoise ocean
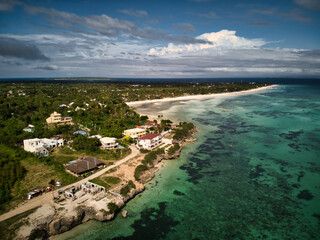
<point x="253" y="173"/>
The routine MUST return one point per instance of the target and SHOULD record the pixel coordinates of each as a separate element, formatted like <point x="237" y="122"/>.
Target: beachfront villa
<point x="135" y="132"/>
<point x="149" y="141"/>
<point x="55" y="118"/>
<point x="40" y="146"/>
<point x="109" y="143"/>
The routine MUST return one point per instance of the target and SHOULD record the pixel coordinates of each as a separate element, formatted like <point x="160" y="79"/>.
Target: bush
<point x="38" y="233"/>
<point x="112" y="207"/>
<point x="139" y="171"/>
<point x="183" y="132"/>
<point x="173" y="149"/>
<point x="126" y="189"/>
<point x="142" y="150"/>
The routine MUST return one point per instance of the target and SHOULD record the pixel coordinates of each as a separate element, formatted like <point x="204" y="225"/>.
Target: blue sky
<point x="181" y="38"/>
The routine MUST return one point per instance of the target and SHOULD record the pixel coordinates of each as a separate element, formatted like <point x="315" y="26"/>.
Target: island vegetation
<point x="95" y="107"/>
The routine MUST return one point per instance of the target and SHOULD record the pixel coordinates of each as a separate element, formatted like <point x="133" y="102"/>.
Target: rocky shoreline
<point x="50" y="220"/>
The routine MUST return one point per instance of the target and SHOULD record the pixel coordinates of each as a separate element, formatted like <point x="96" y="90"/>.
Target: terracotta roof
<point x="149" y="136"/>
<point x="150" y="123"/>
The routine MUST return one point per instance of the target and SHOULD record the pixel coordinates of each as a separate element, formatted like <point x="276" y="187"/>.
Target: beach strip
<point x="200" y="97"/>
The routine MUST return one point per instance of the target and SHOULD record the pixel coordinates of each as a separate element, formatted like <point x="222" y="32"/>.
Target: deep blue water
<point x="254" y="173"/>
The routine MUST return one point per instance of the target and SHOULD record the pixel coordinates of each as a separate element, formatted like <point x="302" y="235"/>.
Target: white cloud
<point x="224" y="39"/>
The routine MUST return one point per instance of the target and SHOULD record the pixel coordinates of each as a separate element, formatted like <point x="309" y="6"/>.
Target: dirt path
<point x="47" y="198"/>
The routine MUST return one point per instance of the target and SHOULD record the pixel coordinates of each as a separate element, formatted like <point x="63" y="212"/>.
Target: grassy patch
<point x="112" y="180"/>
<point x="100" y="182"/>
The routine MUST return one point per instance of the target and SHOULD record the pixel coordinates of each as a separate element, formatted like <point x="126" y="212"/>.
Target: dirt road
<point x="48" y="197"/>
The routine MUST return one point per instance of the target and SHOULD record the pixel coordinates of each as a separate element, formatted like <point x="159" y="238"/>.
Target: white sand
<point x="199" y="97"/>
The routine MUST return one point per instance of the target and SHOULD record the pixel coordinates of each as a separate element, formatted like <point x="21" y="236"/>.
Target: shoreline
<point x="55" y="218"/>
<point x="200" y="97"/>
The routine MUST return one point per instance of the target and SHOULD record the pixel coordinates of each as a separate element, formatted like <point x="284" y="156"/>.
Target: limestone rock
<point x="124" y="213"/>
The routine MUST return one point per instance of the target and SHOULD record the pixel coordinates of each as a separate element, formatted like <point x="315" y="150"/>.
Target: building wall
<point x="149" y="143"/>
<point x="135" y="134"/>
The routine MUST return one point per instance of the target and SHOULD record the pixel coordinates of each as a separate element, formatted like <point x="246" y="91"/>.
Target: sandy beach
<point x="199" y="97"/>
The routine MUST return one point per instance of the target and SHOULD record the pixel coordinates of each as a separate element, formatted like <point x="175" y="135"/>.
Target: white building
<point x="108" y="143"/>
<point x="149" y="141"/>
<point x="41" y="146"/>
<point x="135" y="132"/>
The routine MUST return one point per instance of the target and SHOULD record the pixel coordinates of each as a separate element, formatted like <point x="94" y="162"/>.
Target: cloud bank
<point x="14" y="48"/>
<point x="223" y="39"/>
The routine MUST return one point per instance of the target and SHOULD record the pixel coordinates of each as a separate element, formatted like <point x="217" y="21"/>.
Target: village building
<point x="149" y="141"/>
<point x="150" y="124"/>
<point x="135" y="132"/>
<point x="30" y="128"/>
<point x="83" y="165"/>
<point x="109" y="143"/>
<point x="57" y="119"/>
<point x="40" y="146"/>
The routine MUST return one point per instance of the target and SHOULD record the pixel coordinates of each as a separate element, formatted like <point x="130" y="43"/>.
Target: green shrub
<point x="139" y="171"/>
<point x="173" y="149"/>
<point x="126" y="189"/>
<point x="38" y="233"/>
<point x="112" y="207"/>
<point x="142" y="150"/>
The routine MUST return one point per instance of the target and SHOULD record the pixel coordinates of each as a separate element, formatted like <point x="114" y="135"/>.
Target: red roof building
<point x="149" y="141"/>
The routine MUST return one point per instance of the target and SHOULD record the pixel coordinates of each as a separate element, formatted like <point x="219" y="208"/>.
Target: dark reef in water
<point x="178" y="193"/>
<point x="305" y="195"/>
<point x="154" y="224"/>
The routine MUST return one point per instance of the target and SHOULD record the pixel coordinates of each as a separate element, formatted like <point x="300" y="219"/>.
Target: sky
<point x="159" y="39"/>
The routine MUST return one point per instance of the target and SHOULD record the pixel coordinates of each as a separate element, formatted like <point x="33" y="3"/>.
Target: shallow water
<point x="254" y="173"/>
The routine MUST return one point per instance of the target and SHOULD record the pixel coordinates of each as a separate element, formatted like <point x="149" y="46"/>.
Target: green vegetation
<point x="142" y="150"/>
<point x="173" y="149"/>
<point x="184" y="131"/>
<point x="112" y="180"/>
<point x="126" y="189"/>
<point x="11" y="171"/>
<point x="84" y="143"/>
<point x="9" y="226"/>
<point x="95" y="107"/>
<point x="151" y="156"/>
<point x="139" y="171"/>
<point x="100" y="182"/>
<point x="38" y="233"/>
<point x="112" y="207"/>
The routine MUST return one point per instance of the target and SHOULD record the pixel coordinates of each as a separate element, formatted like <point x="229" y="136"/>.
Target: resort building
<point x="109" y="143"/>
<point x="57" y="119"/>
<point x="135" y="132"/>
<point x="83" y="165"/>
<point x="149" y="141"/>
<point x="40" y="146"/>
<point x="30" y="128"/>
